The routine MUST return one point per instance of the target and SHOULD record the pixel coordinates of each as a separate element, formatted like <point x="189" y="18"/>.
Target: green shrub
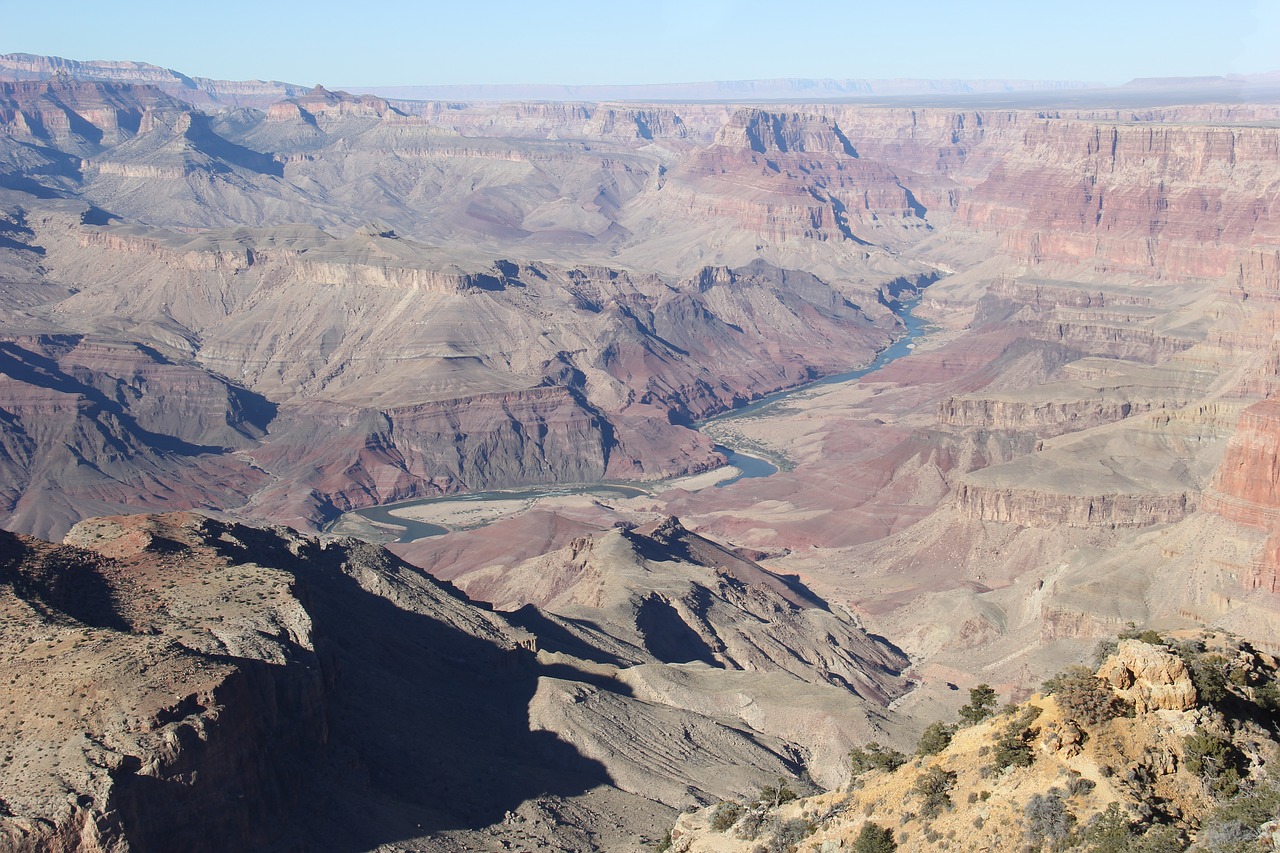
<point x="1159" y="839"/>
<point x="1249" y="808"/>
<point x="1013" y="747"/>
<point x="982" y="704"/>
<point x="1110" y="831"/>
<point x="874" y="757"/>
<point x="1151" y="638"/>
<point x="874" y="839"/>
<point x="934" y="787"/>
<point x="935" y="738"/>
<point x="1215" y="760"/>
<point x="1208" y="674"/>
<point x="1084" y="697"/>
<point x="773" y="796"/>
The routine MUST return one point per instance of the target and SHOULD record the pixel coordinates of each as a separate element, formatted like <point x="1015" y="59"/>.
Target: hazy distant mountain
<point x="202" y="90"/>
<point x="790" y="88"/>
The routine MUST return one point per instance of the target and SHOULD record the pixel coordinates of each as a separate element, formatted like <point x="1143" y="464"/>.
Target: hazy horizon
<point x="503" y="43"/>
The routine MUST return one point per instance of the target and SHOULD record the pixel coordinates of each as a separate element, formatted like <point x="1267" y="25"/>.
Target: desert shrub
<point x="1159" y="839"/>
<point x="1151" y="638"/>
<point x="1078" y="786"/>
<point x="1249" y="808"/>
<point x="663" y="844"/>
<point x="751" y="824"/>
<point x="1208" y="674"/>
<point x="1084" y="697"/>
<point x="1229" y="837"/>
<point x="874" y="757"/>
<point x="1214" y="759"/>
<point x="726" y="815"/>
<point x="789" y="834"/>
<point x="935" y="738"/>
<point x="1104" y="650"/>
<point x="1109" y="831"/>
<point x="1013" y="747"/>
<point x="934" y="788"/>
<point x="1048" y="818"/>
<point x="1267" y="697"/>
<point x="775" y="795"/>
<point x="982" y="704"/>
<point x="874" y="838"/>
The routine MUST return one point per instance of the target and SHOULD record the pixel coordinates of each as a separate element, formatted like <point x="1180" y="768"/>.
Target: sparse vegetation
<point x="982" y="704"/>
<point x="788" y="835"/>
<point x="934" y="789"/>
<point x="1048" y="818"/>
<point x="1151" y="638"/>
<point x="1215" y="759"/>
<point x="874" y="757"/>
<point x="751" y="824"/>
<point x="1229" y="742"/>
<point x="726" y="815"/>
<point x="772" y="796"/>
<point x="874" y="838"/>
<point x="1084" y="697"/>
<point x="935" y="738"/>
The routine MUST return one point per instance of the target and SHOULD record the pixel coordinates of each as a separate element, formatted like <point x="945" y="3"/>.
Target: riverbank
<point x="418" y="519"/>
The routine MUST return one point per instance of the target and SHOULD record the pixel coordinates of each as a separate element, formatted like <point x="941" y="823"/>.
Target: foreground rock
<point x="171" y="674"/>
<point x="1075" y="768"/>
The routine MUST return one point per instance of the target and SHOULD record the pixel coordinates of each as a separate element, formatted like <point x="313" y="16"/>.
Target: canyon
<point x="259" y="304"/>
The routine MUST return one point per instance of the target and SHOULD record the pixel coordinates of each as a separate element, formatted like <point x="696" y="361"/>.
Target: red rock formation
<point x="1247" y="484"/>
<point x="1171" y="202"/>
<point x="1246" y="488"/>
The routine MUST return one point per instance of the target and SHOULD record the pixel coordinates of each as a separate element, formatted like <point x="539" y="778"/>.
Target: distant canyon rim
<point x="275" y="305"/>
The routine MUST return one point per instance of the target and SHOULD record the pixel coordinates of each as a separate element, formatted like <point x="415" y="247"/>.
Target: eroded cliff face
<point x="174" y="672"/>
<point x="1171" y="202"/>
<point x="401" y="376"/>
<point x="554" y="291"/>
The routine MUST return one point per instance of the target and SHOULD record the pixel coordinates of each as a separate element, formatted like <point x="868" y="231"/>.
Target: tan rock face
<point x="1151" y="677"/>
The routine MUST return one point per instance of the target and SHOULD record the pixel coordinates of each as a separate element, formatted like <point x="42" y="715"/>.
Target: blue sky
<point x="377" y="42"/>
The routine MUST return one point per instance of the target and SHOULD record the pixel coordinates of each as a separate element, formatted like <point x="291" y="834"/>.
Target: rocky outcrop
<point x="1149" y="677"/>
<point x="1245" y="491"/>
<point x="331" y="458"/>
<point x="1046" y="418"/>
<point x="81" y="116"/>
<point x="1074" y="755"/>
<point x="320" y="102"/>
<point x="1030" y="508"/>
<point x="659" y="594"/>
